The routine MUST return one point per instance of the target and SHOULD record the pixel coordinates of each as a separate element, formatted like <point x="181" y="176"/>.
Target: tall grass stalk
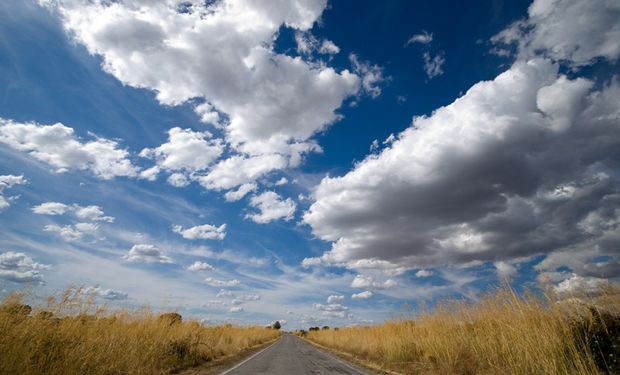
<point x="70" y="334"/>
<point x="502" y="333"/>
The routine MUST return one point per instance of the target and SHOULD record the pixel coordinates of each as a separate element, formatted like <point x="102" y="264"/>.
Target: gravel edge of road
<point x="222" y="364"/>
<point x="347" y="357"/>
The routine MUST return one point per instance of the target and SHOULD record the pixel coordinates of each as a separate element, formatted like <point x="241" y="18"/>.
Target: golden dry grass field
<point x="69" y="334"/>
<point x="502" y="333"/>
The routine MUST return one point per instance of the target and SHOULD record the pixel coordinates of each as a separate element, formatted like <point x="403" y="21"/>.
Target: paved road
<point x="293" y="356"/>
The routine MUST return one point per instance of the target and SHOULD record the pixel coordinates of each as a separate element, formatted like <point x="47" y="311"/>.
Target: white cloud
<point x="362" y="295"/>
<point x="57" y="146"/>
<point x="308" y="44"/>
<point x="456" y="191"/>
<point x="575" y="31"/>
<point x="281" y="182"/>
<point x="51" y="208"/>
<point x="109" y="294"/>
<point x="433" y="65"/>
<point x="145" y="253"/>
<point x="77" y="230"/>
<point x="423" y="38"/>
<point x="361" y="281"/>
<point x="92" y="213"/>
<point x="67" y="232"/>
<point x="334" y="310"/>
<point x="203" y="232"/>
<point x="239" y="170"/>
<point x="249" y="297"/>
<point x="371" y="75"/>
<point x="242" y="191"/>
<point x="200" y="266"/>
<point x="8" y="181"/>
<point x="309" y="262"/>
<point x="236" y="309"/>
<point x="577" y="285"/>
<point x="20" y="268"/>
<point x="271" y="207"/>
<point x="178" y="180"/>
<point x="186" y="150"/>
<point x="424" y="273"/>
<point x="225" y="293"/>
<point x="335" y="298"/>
<point x="222" y="283"/>
<point x="266" y="103"/>
<point x="150" y="174"/>
<point x="505" y="270"/>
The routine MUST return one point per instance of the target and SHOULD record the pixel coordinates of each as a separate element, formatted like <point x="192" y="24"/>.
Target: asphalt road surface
<point x="292" y="356"/>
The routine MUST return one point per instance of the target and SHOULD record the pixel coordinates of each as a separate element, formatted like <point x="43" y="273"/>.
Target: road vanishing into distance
<point x="291" y="355"/>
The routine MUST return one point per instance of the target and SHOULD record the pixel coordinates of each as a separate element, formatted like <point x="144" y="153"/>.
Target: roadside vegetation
<point x="501" y="333"/>
<point x="70" y="334"/>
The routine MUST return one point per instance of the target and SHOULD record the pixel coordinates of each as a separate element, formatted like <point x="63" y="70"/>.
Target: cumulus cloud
<point x="203" y="232"/>
<point x="361" y="281"/>
<point x="236" y="309"/>
<point x="8" y="181"/>
<point x="51" y="208"/>
<point x="200" y="266"/>
<point x="145" y="253"/>
<point x="242" y="191"/>
<point x="239" y="170"/>
<point x="505" y="270"/>
<point x="222" y="283"/>
<point x="186" y="151"/>
<point x="362" y="295"/>
<point x="87" y="219"/>
<point x="225" y="293"/>
<point x="249" y="297"/>
<point x="20" y="268"/>
<point x="424" y="273"/>
<point x="577" y="285"/>
<point x="534" y="158"/>
<point x="58" y="146"/>
<point x="90" y="213"/>
<point x="333" y="310"/>
<point x="335" y="298"/>
<point x="220" y="55"/>
<point x="271" y="207"/>
<point x="551" y="28"/>
<point x="109" y="294"/>
<point x="67" y="232"/>
<point x="281" y="182"/>
<point x="178" y="180"/>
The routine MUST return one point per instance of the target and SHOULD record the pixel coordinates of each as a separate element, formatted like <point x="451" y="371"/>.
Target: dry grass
<point x="502" y="333"/>
<point x="71" y="335"/>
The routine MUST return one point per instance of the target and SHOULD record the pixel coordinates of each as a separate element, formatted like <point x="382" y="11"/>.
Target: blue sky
<point x="311" y="162"/>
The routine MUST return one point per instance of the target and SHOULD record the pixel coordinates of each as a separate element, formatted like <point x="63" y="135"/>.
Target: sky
<point x="309" y="161"/>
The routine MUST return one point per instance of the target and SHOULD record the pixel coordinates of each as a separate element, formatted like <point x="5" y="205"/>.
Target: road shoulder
<point x="222" y="364"/>
<point x="350" y="359"/>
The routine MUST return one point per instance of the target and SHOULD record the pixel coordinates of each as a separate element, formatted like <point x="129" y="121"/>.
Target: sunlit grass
<point x="70" y="334"/>
<point x="502" y="333"/>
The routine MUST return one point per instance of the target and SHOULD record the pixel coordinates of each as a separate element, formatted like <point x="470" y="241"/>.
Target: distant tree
<point x="277" y="325"/>
<point x="313" y="329"/>
<point x="325" y="327"/>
